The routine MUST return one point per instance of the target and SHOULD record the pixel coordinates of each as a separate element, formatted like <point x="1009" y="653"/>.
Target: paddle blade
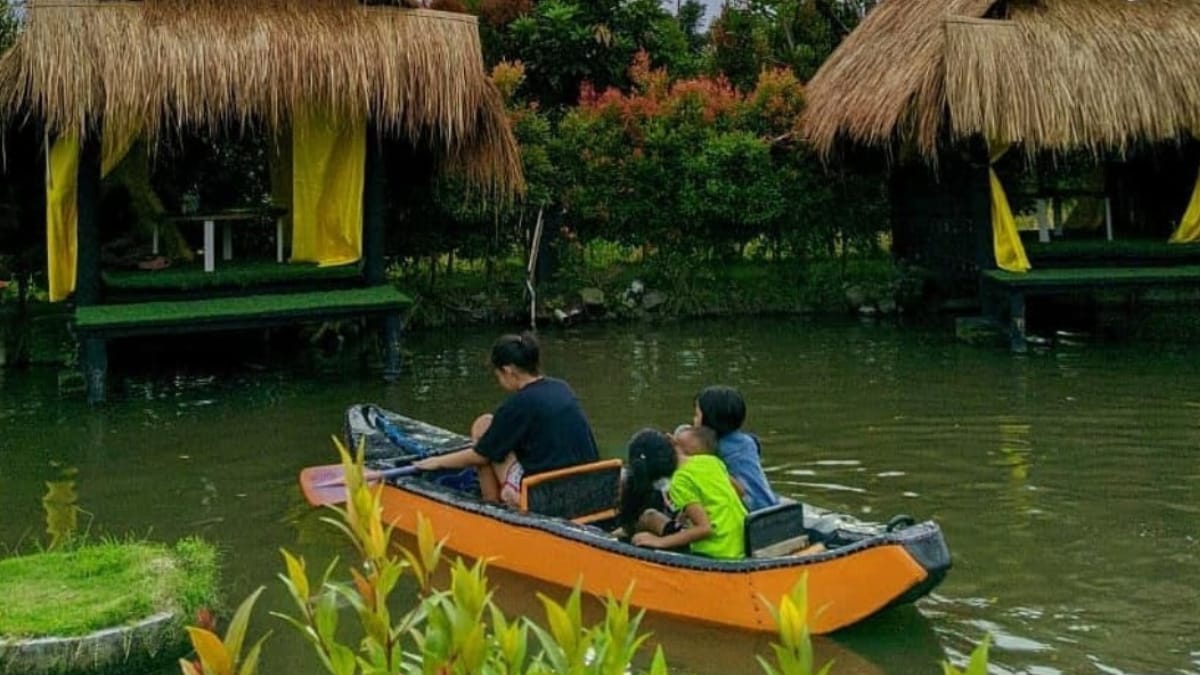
<point x="323" y="485"/>
<point x="326" y="484"/>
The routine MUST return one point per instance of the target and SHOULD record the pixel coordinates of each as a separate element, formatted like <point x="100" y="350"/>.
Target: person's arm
<point x="701" y="529"/>
<point x="453" y="460"/>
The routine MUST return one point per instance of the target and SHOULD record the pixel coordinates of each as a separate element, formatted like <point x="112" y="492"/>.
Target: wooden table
<point x="227" y="218"/>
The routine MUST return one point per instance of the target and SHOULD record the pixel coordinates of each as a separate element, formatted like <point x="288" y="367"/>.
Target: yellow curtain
<point x="1189" y="228"/>
<point x="328" y="157"/>
<point x="62" y="177"/>
<point x="1006" y="242"/>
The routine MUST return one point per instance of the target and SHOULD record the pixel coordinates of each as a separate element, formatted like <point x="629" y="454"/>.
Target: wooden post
<point x="1016" y="321"/>
<point x="393" y="336"/>
<point x="373" y="203"/>
<point x="87" y="204"/>
<point x="87" y="279"/>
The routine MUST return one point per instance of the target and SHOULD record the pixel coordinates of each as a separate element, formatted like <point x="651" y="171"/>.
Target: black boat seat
<point x="586" y="493"/>
<point x="776" y="530"/>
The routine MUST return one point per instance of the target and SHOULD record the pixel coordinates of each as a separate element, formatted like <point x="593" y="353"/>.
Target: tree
<point x="9" y="24"/>
<point x="564" y="43"/>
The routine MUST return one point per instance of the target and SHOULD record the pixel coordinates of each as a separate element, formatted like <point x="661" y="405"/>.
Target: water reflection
<point x="1065" y="479"/>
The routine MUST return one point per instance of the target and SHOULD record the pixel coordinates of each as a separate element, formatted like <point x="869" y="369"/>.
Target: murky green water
<point x="1066" y="481"/>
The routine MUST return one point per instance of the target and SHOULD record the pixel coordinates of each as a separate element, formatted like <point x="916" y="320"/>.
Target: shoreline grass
<point x="94" y="586"/>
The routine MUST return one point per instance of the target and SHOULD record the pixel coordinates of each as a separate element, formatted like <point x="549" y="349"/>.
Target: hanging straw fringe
<point x="165" y="65"/>
<point x="1053" y="75"/>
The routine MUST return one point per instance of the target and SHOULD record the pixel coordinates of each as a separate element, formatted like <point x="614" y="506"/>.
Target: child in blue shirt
<point x="723" y="410"/>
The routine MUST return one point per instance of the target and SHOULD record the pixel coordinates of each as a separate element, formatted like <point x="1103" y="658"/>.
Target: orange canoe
<point x="863" y="569"/>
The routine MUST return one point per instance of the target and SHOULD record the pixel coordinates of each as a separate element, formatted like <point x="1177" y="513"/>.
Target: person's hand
<point x="427" y="464"/>
<point x="645" y="539"/>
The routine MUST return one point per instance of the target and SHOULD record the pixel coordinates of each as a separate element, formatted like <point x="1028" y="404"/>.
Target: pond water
<point x="1066" y="480"/>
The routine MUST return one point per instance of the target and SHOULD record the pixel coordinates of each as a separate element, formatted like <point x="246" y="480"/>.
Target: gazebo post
<point x="87" y="279"/>
<point x="373" y="202"/>
<point x="374" y="243"/>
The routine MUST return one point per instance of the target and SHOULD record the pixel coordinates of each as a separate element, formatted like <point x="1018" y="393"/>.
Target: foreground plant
<point x="794" y="652"/>
<point x="459" y="630"/>
<point x="455" y="631"/>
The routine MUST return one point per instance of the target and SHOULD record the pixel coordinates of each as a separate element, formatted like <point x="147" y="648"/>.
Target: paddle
<point x="326" y="484"/>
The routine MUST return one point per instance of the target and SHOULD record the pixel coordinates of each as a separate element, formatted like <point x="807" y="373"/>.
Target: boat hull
<point x="866" y="568"/>
<point x="845" y="586"/>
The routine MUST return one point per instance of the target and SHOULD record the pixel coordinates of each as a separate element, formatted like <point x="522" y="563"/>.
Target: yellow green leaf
<point x="211" y="651"/>
<point x="296" y="574"/>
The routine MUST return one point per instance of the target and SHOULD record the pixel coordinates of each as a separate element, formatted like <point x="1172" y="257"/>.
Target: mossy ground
<point x="94" y="586"/>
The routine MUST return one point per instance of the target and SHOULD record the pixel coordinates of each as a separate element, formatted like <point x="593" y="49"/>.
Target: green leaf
<point x="659" y="665"/>
<point x="249" y="665"/>
<point x="236" y="634"/>
<point x="978" y="665"/>
<point x="561" y="628"/>
<point x="342" y="659"/>
<point x="326" y="616"/>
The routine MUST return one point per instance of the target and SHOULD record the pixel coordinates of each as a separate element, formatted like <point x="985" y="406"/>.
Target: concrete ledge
<point x="112" y="650"/>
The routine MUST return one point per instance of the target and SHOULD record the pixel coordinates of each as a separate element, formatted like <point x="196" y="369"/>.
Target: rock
<point x="653" y="300"/>
<point x="980" y="331"/>
<point x="855" y="296"/>
<point x="637" y="287"/>
<point x="867" y="310"/>
<point x="887" y="306"/>
<point x="592" y="297"/>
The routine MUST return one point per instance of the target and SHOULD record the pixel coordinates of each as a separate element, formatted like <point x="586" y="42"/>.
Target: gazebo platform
<point x="230" y="278"/>
<point x="1014" y="287"/>
<point x="97" y="324"/>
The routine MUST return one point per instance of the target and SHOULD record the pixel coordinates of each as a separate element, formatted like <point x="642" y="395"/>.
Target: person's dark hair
<point x="519" y="351"/>
<point x="651" y="457"/>
<point x="722" y="409"/>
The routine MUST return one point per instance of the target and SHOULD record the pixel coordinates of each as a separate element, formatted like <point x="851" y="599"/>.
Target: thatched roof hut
<point x="159" y="66"/>
<point x="1053" y="75"/>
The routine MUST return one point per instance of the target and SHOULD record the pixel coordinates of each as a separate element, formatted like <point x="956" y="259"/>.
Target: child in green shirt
<point x="703" y="494"/>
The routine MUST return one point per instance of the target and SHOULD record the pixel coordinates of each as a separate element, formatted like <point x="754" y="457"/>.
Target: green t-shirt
<point x="703" y="480"/>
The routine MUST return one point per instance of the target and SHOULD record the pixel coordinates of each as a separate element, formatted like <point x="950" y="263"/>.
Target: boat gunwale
<point x="588" y="536"/>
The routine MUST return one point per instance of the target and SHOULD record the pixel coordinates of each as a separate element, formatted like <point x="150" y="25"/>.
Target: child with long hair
<point x="723" y="410"/>
<point x="648" y="468"/>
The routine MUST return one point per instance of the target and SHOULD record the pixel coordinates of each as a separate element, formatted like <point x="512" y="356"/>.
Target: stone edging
<point x="110" y="650"/>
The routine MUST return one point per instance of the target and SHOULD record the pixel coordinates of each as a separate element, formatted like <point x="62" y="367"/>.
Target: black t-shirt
<point x="543" y="424"/>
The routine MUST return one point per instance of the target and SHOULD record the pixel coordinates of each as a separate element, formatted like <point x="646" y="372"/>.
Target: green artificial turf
<point x="249" y="274"/>
<point x="1097" y="276"/>
<point x="249" y="306"/>
<point x="1118" y="249"/>
<point x="95" y="586"/>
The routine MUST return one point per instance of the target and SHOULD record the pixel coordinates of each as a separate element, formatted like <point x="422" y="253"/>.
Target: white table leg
<point x="1043" y="220"/>
<point x="226" y="241"/>
<point x="279" y="240"/>
<point x="154" y="241"/>
<point x="210" y="246"/>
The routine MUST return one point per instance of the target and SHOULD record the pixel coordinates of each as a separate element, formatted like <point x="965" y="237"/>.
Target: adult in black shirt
<point x="539" y="427"/>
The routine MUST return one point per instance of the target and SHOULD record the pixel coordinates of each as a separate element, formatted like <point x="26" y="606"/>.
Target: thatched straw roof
<point x="1051" y="74"/>
<point x="163" y="65"/>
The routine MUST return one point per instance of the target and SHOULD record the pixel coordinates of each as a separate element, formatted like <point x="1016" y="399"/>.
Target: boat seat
<point x="586" y="493"/>
<point x="776" y="531"/>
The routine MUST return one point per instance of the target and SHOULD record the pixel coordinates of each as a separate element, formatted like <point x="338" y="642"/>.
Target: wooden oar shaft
<point x="371" y="476"/>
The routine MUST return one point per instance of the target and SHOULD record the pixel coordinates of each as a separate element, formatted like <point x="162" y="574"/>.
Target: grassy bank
<point x="624" y="289"/>
<point x="95" y="586"/>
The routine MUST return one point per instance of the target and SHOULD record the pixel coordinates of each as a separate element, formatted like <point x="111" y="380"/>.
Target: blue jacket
<point x="740" y="453"/>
